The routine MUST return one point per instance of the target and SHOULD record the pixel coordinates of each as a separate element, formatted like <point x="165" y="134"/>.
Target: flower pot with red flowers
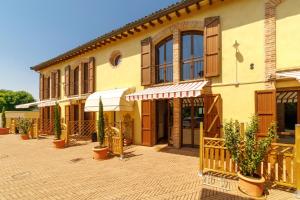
<point x="58" y="142"/>
<point x="100" y="152"/>
<point x="248" y="153"/>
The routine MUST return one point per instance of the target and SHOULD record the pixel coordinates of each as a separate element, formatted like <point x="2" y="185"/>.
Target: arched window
<point x="164" y="61"/>
<point x="191" y="55"/>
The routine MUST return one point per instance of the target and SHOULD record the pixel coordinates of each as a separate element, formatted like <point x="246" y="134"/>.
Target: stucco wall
<point x="242" y="21"/>
<point x="288" y="37"/>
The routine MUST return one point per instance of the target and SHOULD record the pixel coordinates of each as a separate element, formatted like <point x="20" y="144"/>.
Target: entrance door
<point x="192" y="110"/>
<point x="164" y="120"/>
<point x="147" y="132"/>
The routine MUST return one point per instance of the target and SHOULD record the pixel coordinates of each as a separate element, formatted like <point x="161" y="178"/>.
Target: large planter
<point x="251" y="186"/>
<point x="24" y="137"/>
<point x="100" y="153"/>
<point x="60" y="144"/>
<point x="4" y="131"/>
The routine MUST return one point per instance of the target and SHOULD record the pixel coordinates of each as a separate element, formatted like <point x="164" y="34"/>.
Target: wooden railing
<point x="81" y="130"/>
<point x="46" y="127"/>
<point x="277" y="167"/>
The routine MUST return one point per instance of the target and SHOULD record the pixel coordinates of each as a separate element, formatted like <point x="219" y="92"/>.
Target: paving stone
<point x="35" y="170"/>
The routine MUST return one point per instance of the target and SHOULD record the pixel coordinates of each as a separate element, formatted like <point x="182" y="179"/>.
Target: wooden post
<point x="201" y="149"/>
<point x="297" y="159"/>
<point x="121" y="141"/>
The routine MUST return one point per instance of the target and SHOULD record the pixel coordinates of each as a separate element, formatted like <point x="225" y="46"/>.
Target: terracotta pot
<point x="100" y="153"/>
<point x="60" y="144"/>
<point x="24" y="136"/>
<point x="251" y="186"/>
<point x="4" y="131"/>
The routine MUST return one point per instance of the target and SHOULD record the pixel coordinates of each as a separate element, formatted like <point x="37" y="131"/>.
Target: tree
<point x="101" y="124"/>
<point x="57" y="126"/>
<point x="9" y="99"/>
<point x="3" y="117"/>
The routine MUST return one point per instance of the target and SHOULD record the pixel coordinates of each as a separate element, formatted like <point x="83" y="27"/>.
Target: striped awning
<point x="169" y="91"/>
<point x="287" y="97"/>
<point x="289" y="74"/>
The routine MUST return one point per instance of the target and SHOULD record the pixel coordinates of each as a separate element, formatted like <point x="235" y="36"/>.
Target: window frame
<point x="192" y="59"/>
<point x="165" y="65"/>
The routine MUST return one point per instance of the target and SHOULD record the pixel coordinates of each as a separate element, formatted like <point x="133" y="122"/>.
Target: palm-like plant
<point x="247" y="151"/>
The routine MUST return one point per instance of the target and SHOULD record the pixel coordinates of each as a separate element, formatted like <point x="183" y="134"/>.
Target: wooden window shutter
<point x="91" y="75"/>
<point x="212" y="115"/>
<point x="72" y="87"/>
<point x="146" y="46"/>
<point x="81" y="71"/>
<point x="41" y="86"/>
<point x="67" y="80"/>
<point x="67" y="114"/>
<point x="46" y="87"/>
<point x="265" y="109"/>
<point x="57" y="84"/>
<point x="212" y="46"/>
<point x="52" y="84"/>
<point x="147" y="132"/>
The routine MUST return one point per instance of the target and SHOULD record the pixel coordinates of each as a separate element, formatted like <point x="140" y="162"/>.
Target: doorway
<point x="192" y="113"/>
<point x="288" y="111"/>
<point x="164" y="121"/>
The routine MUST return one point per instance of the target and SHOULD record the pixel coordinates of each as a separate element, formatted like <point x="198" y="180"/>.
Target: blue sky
<point x="33" y="31"/>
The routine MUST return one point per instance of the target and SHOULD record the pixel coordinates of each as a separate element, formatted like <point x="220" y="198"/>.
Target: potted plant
<point x="58" y="142"/>
<point x="101" y="151"/>
<point x="248" y="152"/>
<point x="24" y="126"/>
<point x="3" y="130"/>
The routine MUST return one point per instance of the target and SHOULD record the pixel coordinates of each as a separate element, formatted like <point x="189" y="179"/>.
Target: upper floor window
<point x="164" y="61"/>
<point x="191" y="55"/>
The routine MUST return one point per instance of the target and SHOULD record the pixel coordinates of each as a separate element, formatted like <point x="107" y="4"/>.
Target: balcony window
<point x="164" y="61"/>
<point x="191" y="55"/>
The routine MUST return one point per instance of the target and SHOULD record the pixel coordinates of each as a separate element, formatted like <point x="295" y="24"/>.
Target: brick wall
<point x="270" y="40"/>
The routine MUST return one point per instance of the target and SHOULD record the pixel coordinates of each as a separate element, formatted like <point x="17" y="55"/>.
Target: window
<point x="164" y="61"/>
<point x="191" y="55"/>
<point x="115" y="58"/>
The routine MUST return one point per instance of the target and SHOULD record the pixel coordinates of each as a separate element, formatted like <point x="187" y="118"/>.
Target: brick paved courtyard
<point x="35" y="170"/>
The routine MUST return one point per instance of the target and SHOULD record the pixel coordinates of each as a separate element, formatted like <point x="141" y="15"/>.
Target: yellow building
<point x="197" y="60"/>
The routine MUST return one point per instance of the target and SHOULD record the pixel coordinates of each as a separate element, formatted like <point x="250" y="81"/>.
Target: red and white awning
<point x="169" y="91"/>
<point x="289" y="74"/>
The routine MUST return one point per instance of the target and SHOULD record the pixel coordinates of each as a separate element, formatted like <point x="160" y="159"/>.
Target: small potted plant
<point x="3" y="130"/>
<point x="58" y="142"/>
<point x="248" y="152"/>
<point x="101" y="151"/>
<point x="24" y="126"/>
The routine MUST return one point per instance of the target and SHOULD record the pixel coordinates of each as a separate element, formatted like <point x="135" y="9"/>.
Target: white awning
<point x="170" y="91"/>
<point x="289" y="74"/>
<point x="27" y="105"/>
<point x="113" y="100"/>
<point x="50" y="102"/>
